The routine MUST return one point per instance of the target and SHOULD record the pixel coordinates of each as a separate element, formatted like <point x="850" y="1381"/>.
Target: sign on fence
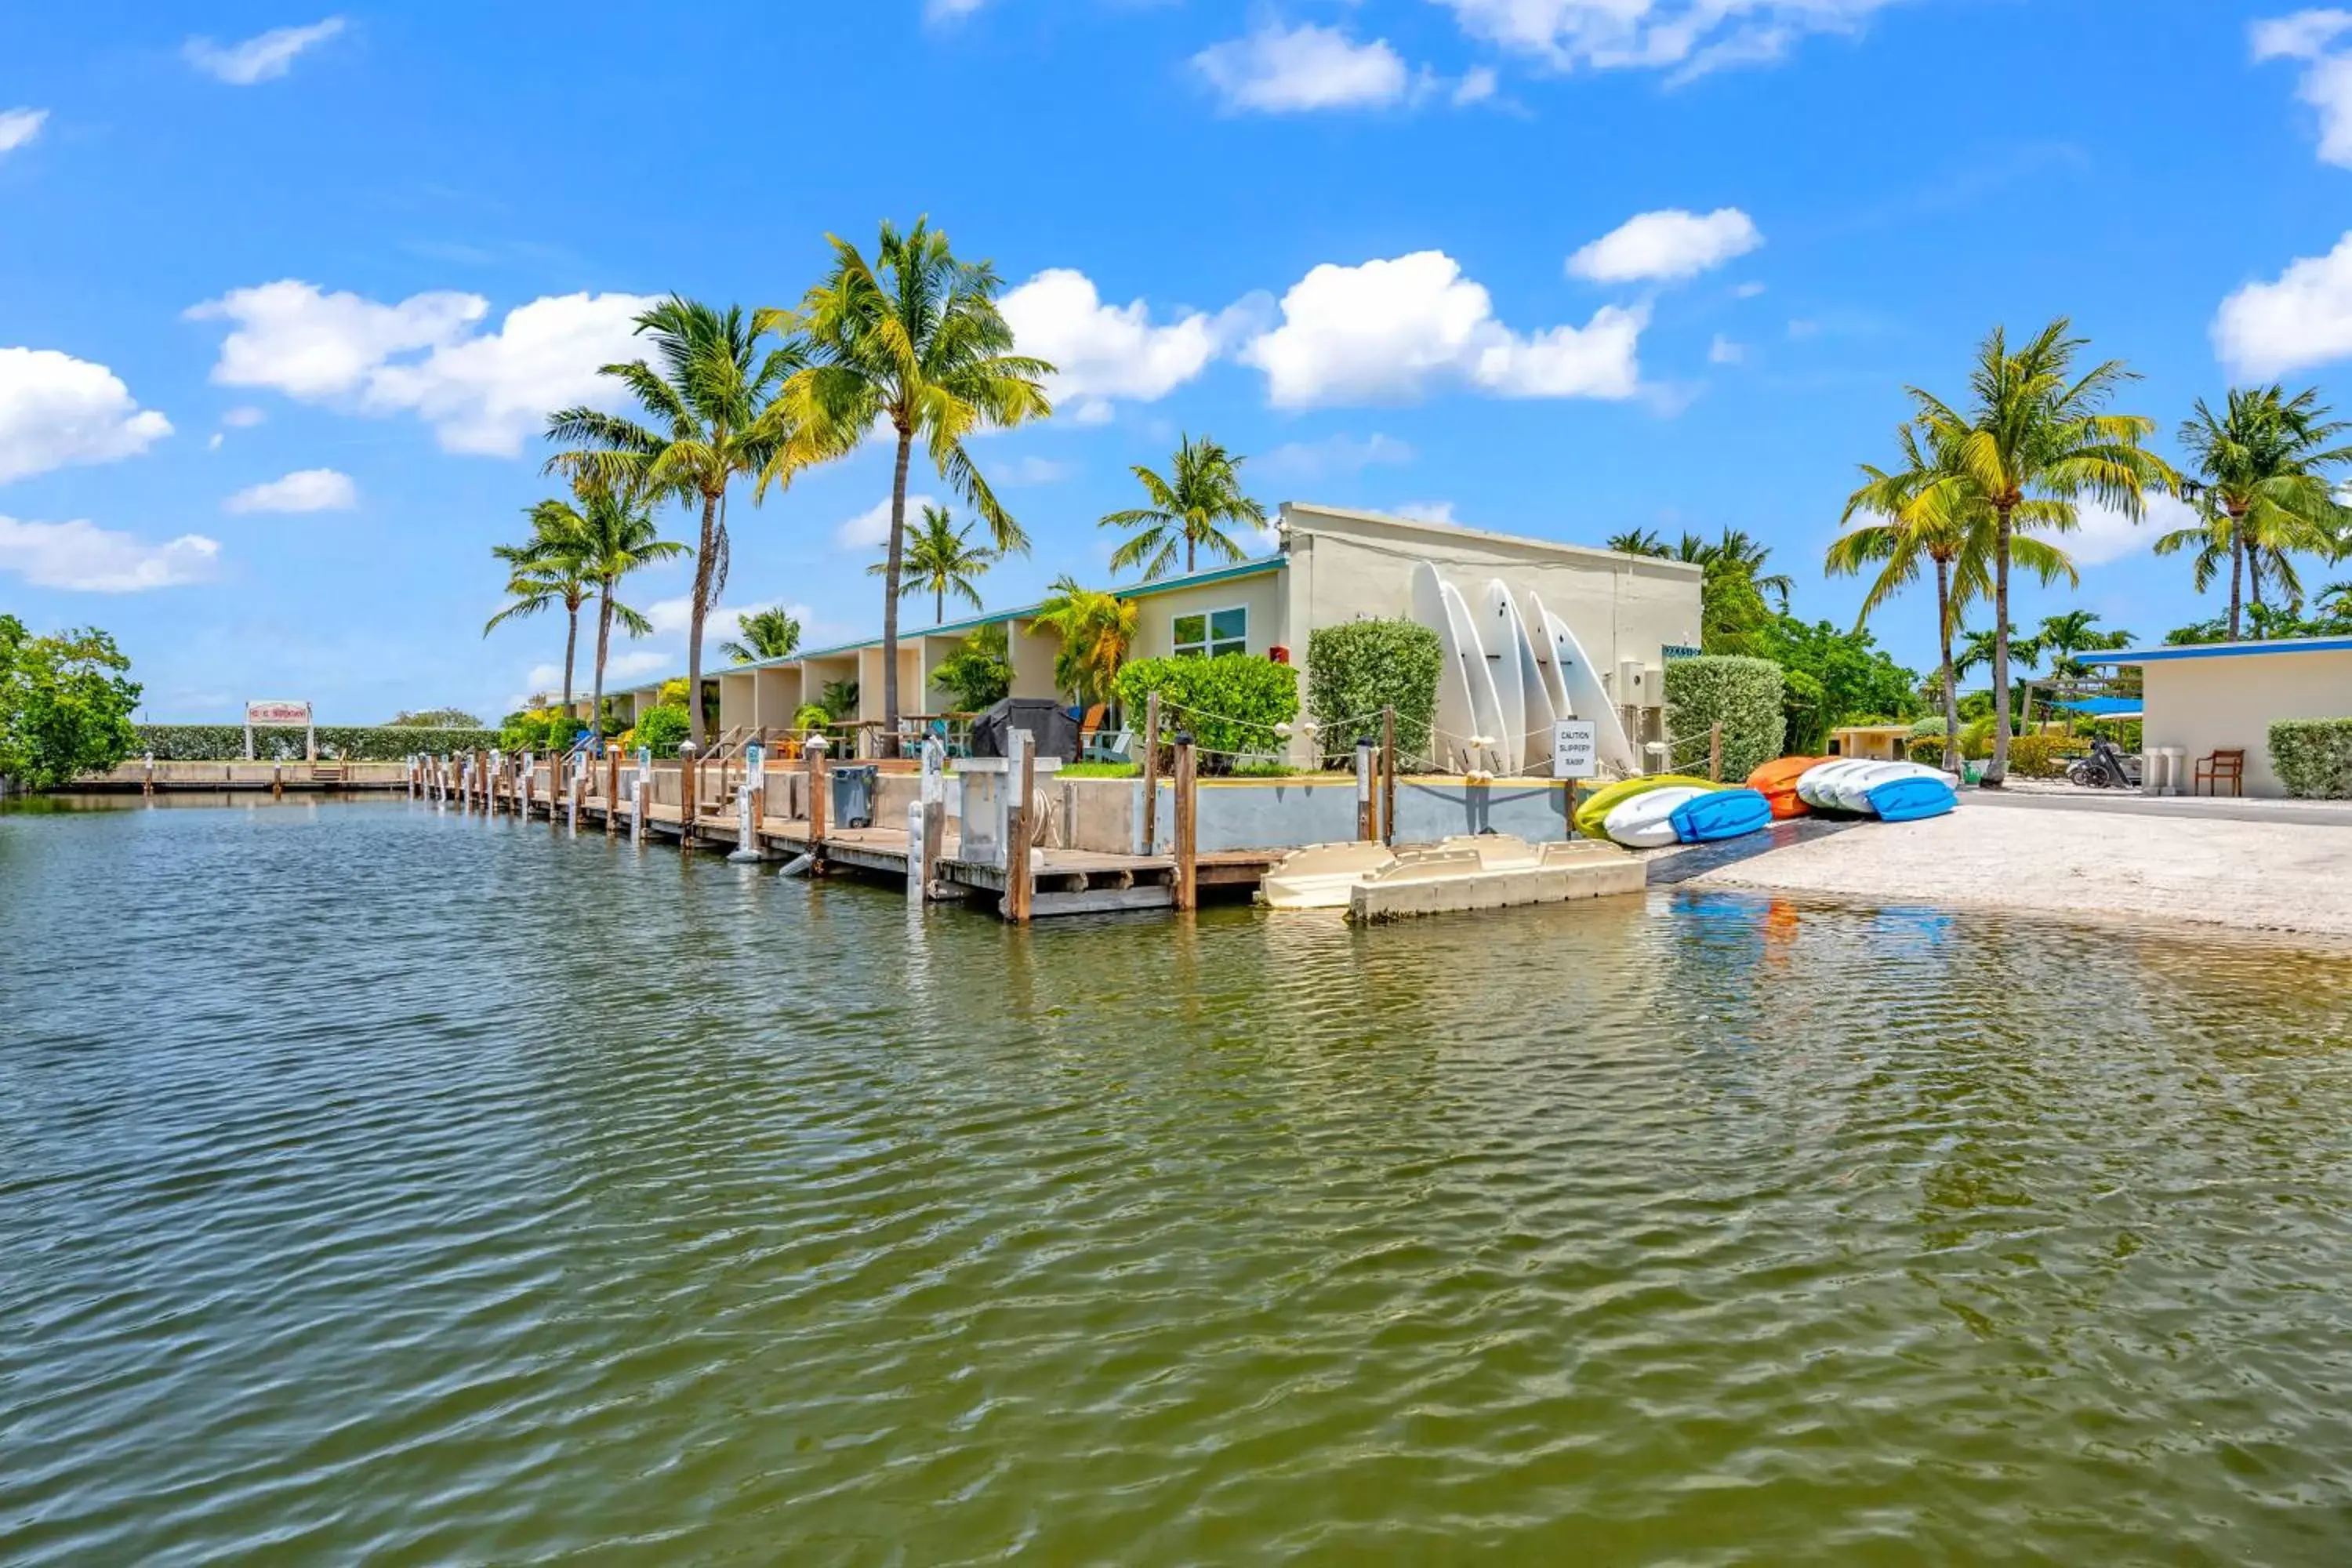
<point x="281" y="713"/>
<point x="1575" y="749"/>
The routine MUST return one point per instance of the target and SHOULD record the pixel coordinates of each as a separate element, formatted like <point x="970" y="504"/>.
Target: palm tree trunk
<point x="1951" y="682"/>
<point x="2237" y="568"/>
<point x="1998" y="769"/>
<point x="570" y="652"/>
<point x="938" y="606"/>
<point x="891" y="592"/>
<point x="604" y="645"/>
<point x="699" y="609"/>
<point x="1188" y="555"/>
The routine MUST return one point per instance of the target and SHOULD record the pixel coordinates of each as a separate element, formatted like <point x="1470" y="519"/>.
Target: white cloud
<point x="1662" y="245"/>
<point x="1100" y="351"/>
<point x="1477" y="86"/>
<point x="1723" y="351"/>
<point x="1332" y="455"/>
<point x="243" y="418"/>
<point x="213" y="445"/>
<point x="2312" y="37"/>
<point x="1803" y="327"/>
<point x="56" y="409"/>
<point x="2302" y="319"/>
<point x="950" y="10"/>
<point x="1748" y="290"/>
<point x="1387" y="330"/>
<point x="264" y="58"/>
<point x="1033" y="471"/>
<point x="19" y="126"/>
<point x="1437" y="512"/>
<point x="1689" y="37"/>
<point x="2102" y="534"/>
<point x="85" y="558"/>
<point x="1283" y="70"/>
<point x="632" y="664"/>
<point x="307" y="489"/>
<point x="870" y="529"/>
<point x="482" y="391"/>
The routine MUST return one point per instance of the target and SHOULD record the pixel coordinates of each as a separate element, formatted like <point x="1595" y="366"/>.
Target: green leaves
<point x="2313" y="757"/>
<point x="1357" y="669"/>
<point x="979" y="673"/>
<point x="65" y="706"/>
<point x="1190" y="510"/>
<point x="1746" y="696"/>
<point x="1229" y="704"/>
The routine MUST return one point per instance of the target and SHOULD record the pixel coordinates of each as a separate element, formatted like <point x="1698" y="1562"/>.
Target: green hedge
<point x="662" y="727"/>
<point x="2313" y="757"/>
<point x="1746" y="696"/>
<point x="338" y="743"/>
<point x="1229" y="704"/>
<point x="1355" y="670"/>
<point x="1805" y="710"/>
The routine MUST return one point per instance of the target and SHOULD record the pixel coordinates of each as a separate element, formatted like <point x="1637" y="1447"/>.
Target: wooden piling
<point x="689" y="780"/>
<point x="1714" y="751"/>
<point x="816" y="780"/>
<point x="1188" y="869"/>
<point x="1020" y="883"/>
<point x="612" y="789"/>
<point x="928" y="831"/>
<point x="147" y="780"/>
<point x="276" y="781"/>
<point x="1388" y="775"/>
<point x="1151" y="773"/>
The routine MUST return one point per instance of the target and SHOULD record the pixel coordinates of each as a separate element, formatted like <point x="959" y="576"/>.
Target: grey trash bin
<point x="853" y="795"/>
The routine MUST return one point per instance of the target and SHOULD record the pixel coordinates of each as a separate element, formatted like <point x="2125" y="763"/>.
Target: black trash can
<point x="1051" y="730"/>
<point x="852" y="804"/>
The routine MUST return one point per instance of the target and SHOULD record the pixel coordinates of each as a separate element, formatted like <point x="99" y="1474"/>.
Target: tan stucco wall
<point x="1033" y="660"/>
<point x="1261" y="595"/>
<point x="2203" y="705"/>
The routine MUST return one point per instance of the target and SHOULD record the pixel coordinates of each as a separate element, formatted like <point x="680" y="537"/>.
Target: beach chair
<point x="2220" y="767"/>
<point x="1119" y="748"/>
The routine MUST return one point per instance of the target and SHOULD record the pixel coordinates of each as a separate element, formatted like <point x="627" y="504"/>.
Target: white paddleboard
<point x="1485" y="705"/>
<point x="1500" y="634"/>
<point x="1456" y="717"/>
<point x="1646" y="821"/>
<point x="1585" y="696"/>
<point x="1542" y="707"/>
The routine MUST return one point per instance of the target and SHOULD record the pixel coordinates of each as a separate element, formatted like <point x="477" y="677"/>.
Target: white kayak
<point x="1646" y="821"/>
<point x="1818" y="786"/>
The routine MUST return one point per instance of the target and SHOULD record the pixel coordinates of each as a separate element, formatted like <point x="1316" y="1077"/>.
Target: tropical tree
<point x="545" y="571"/>
<point x="708" y="420"/>
<point x="2259" y="463"/>
<point x="766" y="634"/>
<point x="1193" y="505"/>
<point x="66" y="703"/>
<point x="618" y="536"/>
<point x="913" y="342"/>
<point x="1096" y="629"/>
<point x="2036" y="430"/>
<point x="1637" y="542"/>
<point x="1926" y="510"/>
<point x="941" y="559"/>
<point x="1740" y="552"/>
<point x="2072" y="632"/>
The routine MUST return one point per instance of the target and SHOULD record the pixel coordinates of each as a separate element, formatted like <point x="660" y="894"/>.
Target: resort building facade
<point x="2205" y="699"/>
<point x="1333" y="566"/>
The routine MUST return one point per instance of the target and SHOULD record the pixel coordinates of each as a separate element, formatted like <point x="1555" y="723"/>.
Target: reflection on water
<point x="376" y="1182"/>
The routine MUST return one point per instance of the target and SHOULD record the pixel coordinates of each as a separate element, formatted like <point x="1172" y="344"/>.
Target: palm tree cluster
<point x="1734" y="591"/>
<point x="1192" y="506"/>
<point x="2260" y="492"/>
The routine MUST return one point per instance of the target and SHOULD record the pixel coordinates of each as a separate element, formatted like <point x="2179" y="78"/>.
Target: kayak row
<point x="1652" y="812"/>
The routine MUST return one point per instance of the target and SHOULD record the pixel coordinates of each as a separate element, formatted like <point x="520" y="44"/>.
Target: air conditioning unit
<point x="1632" y="687"/>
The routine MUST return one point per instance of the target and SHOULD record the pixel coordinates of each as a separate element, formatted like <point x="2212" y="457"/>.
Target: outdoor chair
<point x="2217" y="768"/>
<point x="1119" y="748"/>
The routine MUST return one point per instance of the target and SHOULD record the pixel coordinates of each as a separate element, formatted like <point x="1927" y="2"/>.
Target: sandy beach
<point x="2254" y="875"/>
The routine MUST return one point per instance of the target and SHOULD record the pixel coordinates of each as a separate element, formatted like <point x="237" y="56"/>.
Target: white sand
<point x="2256" y="876"/>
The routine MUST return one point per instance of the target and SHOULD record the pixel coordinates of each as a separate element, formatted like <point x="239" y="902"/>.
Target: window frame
<point x="1209" y="642"/>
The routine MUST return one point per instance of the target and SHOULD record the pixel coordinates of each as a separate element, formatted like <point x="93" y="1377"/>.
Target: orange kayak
<point x="1777" y="782"/>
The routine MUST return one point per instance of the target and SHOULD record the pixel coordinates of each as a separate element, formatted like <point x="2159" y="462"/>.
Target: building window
<point x="1207" y="635"/>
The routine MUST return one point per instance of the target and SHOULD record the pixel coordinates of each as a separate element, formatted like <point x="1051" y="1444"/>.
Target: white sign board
<point x="1575" y="749"/>
<point x="278" y="713"/>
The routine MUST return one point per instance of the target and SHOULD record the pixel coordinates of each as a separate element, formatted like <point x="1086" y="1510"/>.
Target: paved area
<point x="2223" y="808"/>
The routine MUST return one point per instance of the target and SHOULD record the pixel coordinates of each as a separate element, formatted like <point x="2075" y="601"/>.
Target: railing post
<point x="1188" y="868"/>
<point x="1151" y="773"/>
<point x="1021" y="773"/>
<point x="1388" y="775"/>
<point x="1714" y="751"/>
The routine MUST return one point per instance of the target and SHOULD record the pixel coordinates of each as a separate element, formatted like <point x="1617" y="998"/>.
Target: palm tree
<point x="1979" y="648"/>
<point x="1637" y="542"/>
<point x="1193" y="506"/>
<point x="1927" y="509"/>
<point x="1095" y="630"/>
<point x="708" y="408"/>
<point x="1738" y="552"/>
<point x="913" y="340"/>
<point x="767" y="633"/>
<point x="2035" y="430"/>
<point x="544" y="571"/>
<point x="2070" y="632"/>
<point x="2259" y="462"/>
<point x="618" y="535"/>
<point x="941" y="560"/>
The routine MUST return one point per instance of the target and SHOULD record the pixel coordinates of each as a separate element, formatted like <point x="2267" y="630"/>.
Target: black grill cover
<point x="1054" y="732"/>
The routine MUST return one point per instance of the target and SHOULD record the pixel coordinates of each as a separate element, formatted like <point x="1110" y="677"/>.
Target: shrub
<point x="1746" y="696"/>
<point x="1230" y="704"/>
<point x="1805" y="706"/>
<point x="2314" y="757"/>
<point x="1976" y="737"/>
<point x="979" y="673"/>
<point x="1928" y="749"/>
<point x="812" y="716"/>
<point x="539" y="729"/>
<point x="1931" y="725"/>
<point x="1355" y="670"/>
<point x="662" y="727"/>
<point x="343" y="742"/>
<point x="2036" y="756"/>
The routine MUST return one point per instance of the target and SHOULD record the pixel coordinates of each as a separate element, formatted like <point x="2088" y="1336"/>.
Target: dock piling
<point x="1388" y="775"/>
<point x="1151" y="845"/>
<point x="689" y="781"/>
<point x="1188" y="867"/>
<point x="1368" y="822"/>
<point x="815" y="754"/>
<point x="1020" y="884"/>
<point x="612" y="789"/>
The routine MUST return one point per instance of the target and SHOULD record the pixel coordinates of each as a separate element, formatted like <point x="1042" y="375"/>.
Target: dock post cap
<point x="686" y="748"/>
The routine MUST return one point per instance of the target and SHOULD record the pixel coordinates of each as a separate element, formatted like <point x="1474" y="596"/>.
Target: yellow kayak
<point x="1597" y="806"/>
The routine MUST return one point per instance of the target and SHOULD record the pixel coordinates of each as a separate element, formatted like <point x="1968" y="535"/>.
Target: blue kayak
<point x="1911" y="799"/>
<point x="1721" y="814"/>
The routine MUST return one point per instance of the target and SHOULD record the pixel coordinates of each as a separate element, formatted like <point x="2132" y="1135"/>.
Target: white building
<point x="2223" y="697"/>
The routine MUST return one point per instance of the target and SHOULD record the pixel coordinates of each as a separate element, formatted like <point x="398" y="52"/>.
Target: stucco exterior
<point x="2226" y="697"/>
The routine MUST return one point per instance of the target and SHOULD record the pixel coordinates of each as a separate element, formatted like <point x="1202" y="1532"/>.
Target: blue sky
<point x="283" y="293"/>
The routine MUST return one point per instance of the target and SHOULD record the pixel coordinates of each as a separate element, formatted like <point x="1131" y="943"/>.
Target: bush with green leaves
<point x="2313" y="757"/>
<point x="338" y="743"/>
<point x="1805" y="706"/>
<point x="539" y="731"/>
<point x="812" y="716"/>
<point x="1928" y="748"/>
<point x="1229" y="704"/>
<point x="2037" y="756"/>
<point x="65" y="705"/>
<point x="662" y="727"/>
<point x="979" y="673"/>
<point x="1747" y="696"/>
<point x="1931" y="725"/>
<point x="1355" y="670"/>
<point x="1976" y="737"/>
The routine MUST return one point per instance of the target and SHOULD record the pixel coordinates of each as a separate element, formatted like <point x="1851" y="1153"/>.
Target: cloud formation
<point x="81" y="557"/>
<point x="19" y="126"/>
<point x="1688" y="39"/>
<point x="870" y="529"/>
<point x="1661" y="246"/>
<point x="2302" y="319"/>
<point x="1289" y="70"/>
<point x="2318" y="39"/>
<point x="306" y="490"/>
<point x="263" y="57"/>
<point x="1103" y="352"/>
<point x="56" y="410"/>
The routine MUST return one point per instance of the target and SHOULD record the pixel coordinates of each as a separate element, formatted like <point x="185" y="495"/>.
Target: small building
<point x="2223" y="697"/>
<point x="1877" y="743"/>
<point x="1333" y="566"/>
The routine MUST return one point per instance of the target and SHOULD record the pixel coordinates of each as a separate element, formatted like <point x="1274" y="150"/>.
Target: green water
<point x="378" y="1185"/>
